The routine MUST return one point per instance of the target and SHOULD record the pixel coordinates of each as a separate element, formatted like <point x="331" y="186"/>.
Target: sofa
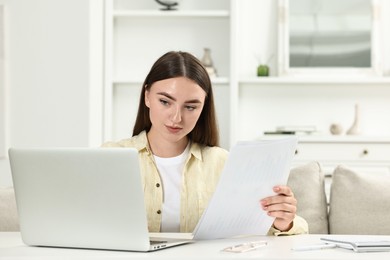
<point x="359" y="203"/>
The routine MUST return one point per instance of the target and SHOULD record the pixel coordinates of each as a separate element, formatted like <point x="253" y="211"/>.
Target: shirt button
<point x="158" y="211"/>
<point x="157" y="185"/>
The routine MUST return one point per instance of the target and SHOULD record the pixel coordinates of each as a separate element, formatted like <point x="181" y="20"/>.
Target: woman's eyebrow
<point x="193" y="101"/>
<point x="174" y="99"/>
<point x="166" y="95"/>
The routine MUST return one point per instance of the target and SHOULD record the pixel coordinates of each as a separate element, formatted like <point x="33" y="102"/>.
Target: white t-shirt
<point x="171" y="171"/>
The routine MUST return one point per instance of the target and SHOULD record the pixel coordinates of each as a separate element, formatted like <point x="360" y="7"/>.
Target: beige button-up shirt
<point x="200" y="177"/>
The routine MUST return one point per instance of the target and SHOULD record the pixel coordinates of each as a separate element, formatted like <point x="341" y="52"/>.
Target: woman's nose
<point x="176" y="115"/>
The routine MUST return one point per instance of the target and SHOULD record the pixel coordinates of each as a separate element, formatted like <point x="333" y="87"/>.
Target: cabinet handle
<point x="296" y="152"/>
<point x="365" y="151"/>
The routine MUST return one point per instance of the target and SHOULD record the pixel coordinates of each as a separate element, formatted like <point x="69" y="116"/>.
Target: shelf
<point x="308" y="80"/>
<point x="157" y="13"/>
<point x="319" y="138"/>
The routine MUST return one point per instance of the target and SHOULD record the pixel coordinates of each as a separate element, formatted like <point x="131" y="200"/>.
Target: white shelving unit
<point x="239" y="33"/>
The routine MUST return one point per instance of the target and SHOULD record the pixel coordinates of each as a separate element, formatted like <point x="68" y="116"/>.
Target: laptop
<point x="82" y="198"/>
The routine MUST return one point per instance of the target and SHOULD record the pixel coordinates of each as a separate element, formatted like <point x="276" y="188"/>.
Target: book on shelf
<point x="297" y="128"/>
<point x="278" y="132"/>
<point x="293" y="130"/>
<point x="360" y="243"/>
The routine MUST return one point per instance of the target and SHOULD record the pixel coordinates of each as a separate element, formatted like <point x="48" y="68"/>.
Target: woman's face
<point x="175" y="105"/>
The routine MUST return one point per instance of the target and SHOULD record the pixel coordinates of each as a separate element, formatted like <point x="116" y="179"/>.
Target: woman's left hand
<point x="282" y="206"/>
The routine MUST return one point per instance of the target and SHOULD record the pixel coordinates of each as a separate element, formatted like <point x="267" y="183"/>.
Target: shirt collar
<point x="196" y="151"/>
<point x="141" y="142"/>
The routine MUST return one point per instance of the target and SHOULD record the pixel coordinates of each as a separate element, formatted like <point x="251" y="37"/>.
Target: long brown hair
<point x="181" y="64"/>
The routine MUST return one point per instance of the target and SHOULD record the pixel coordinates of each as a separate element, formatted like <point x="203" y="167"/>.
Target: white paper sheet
<point x="251" y="171"/>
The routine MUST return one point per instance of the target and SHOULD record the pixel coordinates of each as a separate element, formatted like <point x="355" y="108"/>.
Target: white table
<point x="12" y="247"/>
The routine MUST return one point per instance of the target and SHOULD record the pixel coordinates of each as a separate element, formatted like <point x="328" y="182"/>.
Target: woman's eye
<point x="164" y="102"/>
<point x="190" y="108"/>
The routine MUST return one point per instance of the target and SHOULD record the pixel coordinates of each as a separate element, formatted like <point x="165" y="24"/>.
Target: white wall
<point x="49" y="75"/>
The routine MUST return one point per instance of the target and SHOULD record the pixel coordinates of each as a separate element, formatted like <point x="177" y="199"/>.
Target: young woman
<point x="176" y="135"/>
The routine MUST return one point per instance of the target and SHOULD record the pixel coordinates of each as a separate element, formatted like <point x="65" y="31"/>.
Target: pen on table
<point x="245" y="247"/>
<point x="313" y="247"/>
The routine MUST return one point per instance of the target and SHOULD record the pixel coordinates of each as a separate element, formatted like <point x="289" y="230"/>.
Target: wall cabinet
<point x="241" y="35"/>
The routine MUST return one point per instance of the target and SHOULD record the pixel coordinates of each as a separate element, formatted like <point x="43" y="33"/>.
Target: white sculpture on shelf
<point x="355" y="128"/>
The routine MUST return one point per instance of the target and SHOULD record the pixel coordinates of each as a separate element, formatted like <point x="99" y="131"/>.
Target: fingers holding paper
<point x="282" y="206"/>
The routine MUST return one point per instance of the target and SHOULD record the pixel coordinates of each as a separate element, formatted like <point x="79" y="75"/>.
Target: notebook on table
<point x="82" y="198"/>
<point x="360" y="243"/>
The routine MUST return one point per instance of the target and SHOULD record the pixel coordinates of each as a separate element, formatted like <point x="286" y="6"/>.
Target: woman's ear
<point x="147" y="101"/>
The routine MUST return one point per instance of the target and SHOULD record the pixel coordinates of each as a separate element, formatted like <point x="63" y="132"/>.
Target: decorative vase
<point x="207" y="62"/>
<point x="355" y="128"/>
<point x="206" y="59"/>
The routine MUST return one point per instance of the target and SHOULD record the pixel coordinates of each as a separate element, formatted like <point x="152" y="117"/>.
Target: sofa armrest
<point x="9" y="220"/>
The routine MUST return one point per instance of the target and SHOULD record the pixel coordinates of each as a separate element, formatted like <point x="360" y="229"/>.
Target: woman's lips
<point x="173" y="129"/>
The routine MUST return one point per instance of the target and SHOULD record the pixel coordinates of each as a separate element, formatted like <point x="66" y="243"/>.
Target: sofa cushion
<point x="9" y="220"/>
<point x="359" y="202"/>
<point x="307" y="183"/>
